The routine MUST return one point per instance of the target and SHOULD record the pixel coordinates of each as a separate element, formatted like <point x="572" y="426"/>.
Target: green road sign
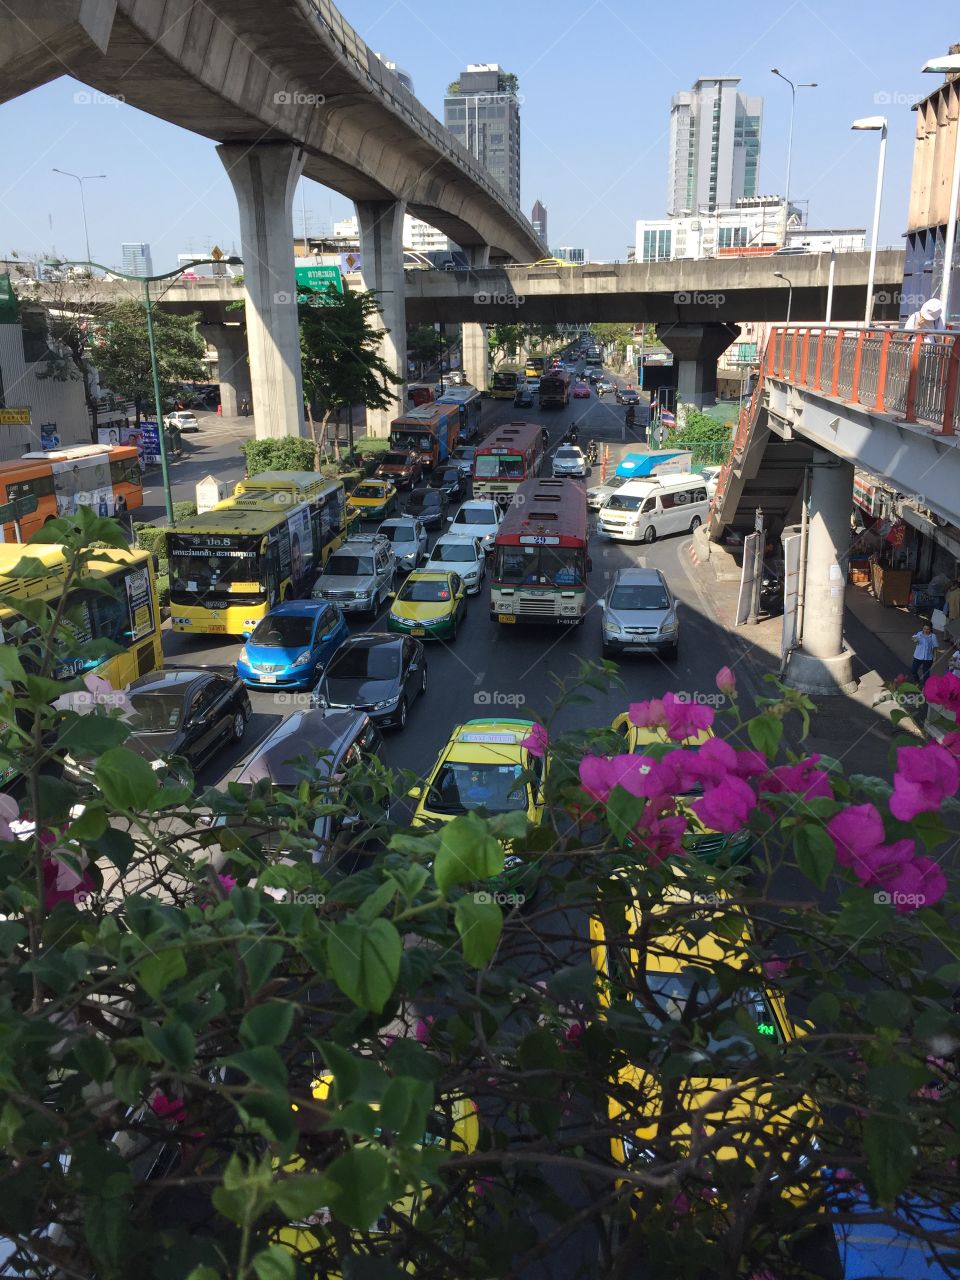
<point x="319" y="278"/>
<point x="17" y="509"/>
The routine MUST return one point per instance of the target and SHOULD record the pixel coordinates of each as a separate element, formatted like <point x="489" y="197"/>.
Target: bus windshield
<point x="412" y="441"/>
<point x="503" y="465"/>
<point x="539" y="566"/>
<point x="203" y="572"/>
<point x="502" y="379"/>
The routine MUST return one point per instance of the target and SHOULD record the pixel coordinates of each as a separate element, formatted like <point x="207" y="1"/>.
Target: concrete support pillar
<point x="476" y="351"/>
<point x="230" y="343"/>
<point x="264" y="178"/>
<point x="696" y="348"/>
<point x="381" y="259"/>
<point x="822" y="664"/>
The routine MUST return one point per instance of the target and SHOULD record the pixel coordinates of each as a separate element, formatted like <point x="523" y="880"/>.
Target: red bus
<point x="554" y="390"/>
<point x="430" y="430"/>
<point x="104" y="477"/>
<point x="540" y="561"/>
<point x="506" y="459"/>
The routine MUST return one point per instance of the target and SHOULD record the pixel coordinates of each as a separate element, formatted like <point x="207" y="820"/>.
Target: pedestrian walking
<point x="245" y="408"/>
<point x="926" y="646"/>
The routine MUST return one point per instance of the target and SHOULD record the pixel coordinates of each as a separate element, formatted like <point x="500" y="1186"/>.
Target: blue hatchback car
<point x="289" y="648"/>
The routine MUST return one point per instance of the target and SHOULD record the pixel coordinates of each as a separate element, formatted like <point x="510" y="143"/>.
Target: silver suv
<point x="359" y="576"/>
<point x="640" y="614"/>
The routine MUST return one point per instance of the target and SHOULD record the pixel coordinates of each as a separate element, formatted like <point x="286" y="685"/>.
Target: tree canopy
<point x="121" y="351"/>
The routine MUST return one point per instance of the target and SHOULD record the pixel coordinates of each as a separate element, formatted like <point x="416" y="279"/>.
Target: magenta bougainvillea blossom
<point x="726" y="681"/>
<point x="803" y="779"/>
<point x="944" y="691"/>
<point x="536" y="741"/>
<point x="685" y="719"/>
<point x="896" y="869"/>
<point x="925" y="777"/>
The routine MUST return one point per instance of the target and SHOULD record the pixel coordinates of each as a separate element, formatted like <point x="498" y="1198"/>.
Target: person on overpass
<point x="928" y="320"/>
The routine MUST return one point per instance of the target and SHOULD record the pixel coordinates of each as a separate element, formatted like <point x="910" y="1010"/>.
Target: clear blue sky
<point x="596" y="80"/>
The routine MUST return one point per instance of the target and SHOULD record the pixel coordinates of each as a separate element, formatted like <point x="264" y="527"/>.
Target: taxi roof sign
<point x="488" y="737"/>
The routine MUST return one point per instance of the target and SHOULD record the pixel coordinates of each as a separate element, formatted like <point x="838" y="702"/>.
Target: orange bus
<point x="104" y="477"/>
<point x="508" y="457"/>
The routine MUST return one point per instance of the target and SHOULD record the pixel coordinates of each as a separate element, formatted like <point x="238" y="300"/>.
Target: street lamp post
<point x="146" y="281"/>
<point x="874" y="123"/>
<point x="87" y="177"/>
<point x="789" y="284"/>
<point x="793" y="107"/>
<point x="947" y="65"/>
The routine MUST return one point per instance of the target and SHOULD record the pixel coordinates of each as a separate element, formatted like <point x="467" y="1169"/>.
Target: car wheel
<point x="606" y="650"/>
<point x="239" y="726"/>
<point x="402" y="713"/>
<point x="695" y="524"/>
<point x="650" y="534"/>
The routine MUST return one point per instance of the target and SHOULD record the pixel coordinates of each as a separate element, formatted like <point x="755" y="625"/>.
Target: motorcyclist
<point x="631" y="415"/>
<point x="592" y="452"/>
<point x="573" y="435"/>
<point x="545" y="436"/>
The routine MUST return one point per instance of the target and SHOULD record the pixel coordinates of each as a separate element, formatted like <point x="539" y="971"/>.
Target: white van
<point x="643" y="510"/>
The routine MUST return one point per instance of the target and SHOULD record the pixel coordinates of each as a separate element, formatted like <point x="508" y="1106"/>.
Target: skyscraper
<point x="538" y="216"/>
<point x="482" y="110"/>
<point x="714" y="146"/>
<point x="136" y="259"/>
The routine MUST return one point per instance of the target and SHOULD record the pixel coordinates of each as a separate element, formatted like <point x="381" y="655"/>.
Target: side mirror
<point x="415" y="793"/>
<point x="601" y="604"/>
<point x="391" y="595"/>
<point x="247" y="635"/>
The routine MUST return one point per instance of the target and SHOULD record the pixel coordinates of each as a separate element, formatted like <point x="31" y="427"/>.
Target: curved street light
<point x="81" y="179"/>
<point x="793" y="107"/>
<point x="789" y="284"/>
<point x="874" y="123"/>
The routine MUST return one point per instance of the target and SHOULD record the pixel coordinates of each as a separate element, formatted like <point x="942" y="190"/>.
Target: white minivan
<point x="643" y="510"/>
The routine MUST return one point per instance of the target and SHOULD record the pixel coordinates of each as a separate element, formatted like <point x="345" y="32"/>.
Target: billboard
<point x="146" y="437"/>
<point x="83" y="482"/>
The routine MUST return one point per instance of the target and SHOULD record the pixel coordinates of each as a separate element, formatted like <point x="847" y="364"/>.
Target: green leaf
<point x="57" y="798"/>
<point x="815" y="852"/>
<point x="374" y="904"/>
<point x="90" y="825"/>
<point x="204" y="1273"/>
<point x="116" y="846"/>
<point x="125" y="779"/>
<point x="479" y="923"/>
<point x="174" y="1042"/>
<point x="157" y="972"/>
<point x="300" y="1197"/>
<point x="88" y="736"/>
<point x="510" y="826"/>
<point x="93" y="1057"/>
<point x="405" y="1106"/>
<point x="105" y="1228"/>
<point x="267" y="1023"/>
<point x="263" y="1065"/>
<point x="889" y="1147"/>
<point x="624" y="811"/>
<point x="357" y="1183"/>
<point x="415" y="846"/>
<point x="365" y="961"/>
<point x="11" y="668"/>
<point x="274" y="1263"/>
<point x="260" y="959"/>
<point x="765" y="733"/>
<point x="467" y="852"/>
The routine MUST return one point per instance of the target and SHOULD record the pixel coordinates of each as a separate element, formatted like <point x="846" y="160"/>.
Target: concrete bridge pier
<point x="696" y="349"/>
<point x="476" y="351"/>
<point x="264" y="177"/>
<point x="822" y="663"/>
<point x="381" y="258"/>
<point x="230" y="343"/>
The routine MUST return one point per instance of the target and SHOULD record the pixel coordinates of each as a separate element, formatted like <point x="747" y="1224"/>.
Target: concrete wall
<point x="60" y="403"/>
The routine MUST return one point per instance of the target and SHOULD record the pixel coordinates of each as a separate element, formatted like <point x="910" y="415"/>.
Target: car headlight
<point x="302" y="659"/>
<point x="612" y="626"/>
<point x="242" y="655"/>
<point x="386" y="703"/>
<point x="669" y="628"/>
<point x="362" y="595"/>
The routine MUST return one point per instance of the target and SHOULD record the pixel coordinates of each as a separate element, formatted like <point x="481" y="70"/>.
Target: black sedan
<point x="183" y="712"/>
<point x="523" y="399"/>
<point x="428" y="505"/>
<point x="627" y="395"/>
<point x="450" y="480"/>
<point x="379" y="674"/>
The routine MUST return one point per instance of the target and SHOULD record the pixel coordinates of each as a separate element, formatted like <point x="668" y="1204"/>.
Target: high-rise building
<point x="714" y="146"/>
<point x="482" y="110"/>
<point x="567" y="253"/>
<point x="538" y="216"/>
<point x="136" y="259"/>
<point x="417" y="234"/>
<point x="404" y="77"/>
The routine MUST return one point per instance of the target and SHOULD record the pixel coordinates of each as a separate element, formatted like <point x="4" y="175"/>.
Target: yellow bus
<point x="302" y="486"/>
<point x="129" y="615"/>
<point x="231" y="565"/>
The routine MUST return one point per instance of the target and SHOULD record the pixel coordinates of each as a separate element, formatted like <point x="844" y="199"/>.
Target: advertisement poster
<point x="83" y="483"/>
<point x="301" y="547"/>
<point x="49" y="436"/>
<point x="146" y="438"/>
<point x="138" y="600"/>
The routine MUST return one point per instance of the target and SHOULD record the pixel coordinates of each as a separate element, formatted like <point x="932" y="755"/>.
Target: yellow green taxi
<point x="700" y="840"/>
<point x="373" y="499"/>
<point x="676" y="973"/>
<point x="429" y="605"/>
<point x="453" y="1125"/>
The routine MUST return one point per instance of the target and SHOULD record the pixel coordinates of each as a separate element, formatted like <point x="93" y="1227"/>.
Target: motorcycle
<point x="631" y="416"/>
<point x="771" y="591"/>
<point x="593" y="453"/>
<point x="572" y="435"/>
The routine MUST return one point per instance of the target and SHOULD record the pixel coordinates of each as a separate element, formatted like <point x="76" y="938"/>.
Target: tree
<point x="340" y="354"/>
<point x="424" y="344"/>
<point x="121" y="353"/>
<point x="617" y="336"/>
<point x="505" y="339"/>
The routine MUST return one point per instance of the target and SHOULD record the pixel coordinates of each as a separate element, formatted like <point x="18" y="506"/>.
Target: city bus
<point x="535" y="366"/>
<point x="506" y="459"/>
<point x="554" y="390"/>
<point x="470" y="405"/>
<point x="104" y="477"/>
<point x="505" y="381"/>
<point x="540" y="561"/>
<point x="231" y="565"/>
<point x="430" y="430"/>
<point x="308" y="485"/>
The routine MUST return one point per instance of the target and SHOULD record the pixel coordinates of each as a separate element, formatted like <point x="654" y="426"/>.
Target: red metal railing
<point x="909" y="376"/>
<point x="748" y="416"/>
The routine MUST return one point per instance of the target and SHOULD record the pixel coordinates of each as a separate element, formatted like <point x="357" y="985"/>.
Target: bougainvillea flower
<point x="661" y="837"/>
<point x="918" y="883"/>
<point x="876" y="865"/>
<point x="726" y="807"/>
<point x="536" y="741"/>
<point x="647" y="715"/>
<point x="855" y="830"/>
<point x="749" y="763"/>
<point x="726" y="681"/>
<point x="925" y="777"/>
<point x="595" y="777"/>
<point x="685" y="719"/>
<point x="803" y="779"/>
<point x="944" y="691"/>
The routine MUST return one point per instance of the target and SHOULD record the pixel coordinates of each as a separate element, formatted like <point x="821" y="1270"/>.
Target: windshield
<point x="395" y="460"/>
<point x="474" y="515"/>
<point x="412" y="441"/>
<point x="399" y="532"/>
<point x="365" y="662"/>
<point x="491" y="465"/>
<point x="465" y="453"/>
<point x="156" y="712"/>
<point x="461" y="786"/>
<point x="425" y="591"/>
<point x="625" y="501"/>
<point x="639" y="597"/>
<point x="675" y="994"/>
<point x="454" y="552"/>
<point x="539" y="566"/>
<point x="201" y="574"/>
<point x="368" y="491"/>
<point x="284" y="631"/>
<point x="424" y="498"/>
<point x="348" y="567"/>
<point x="568" y="455"/>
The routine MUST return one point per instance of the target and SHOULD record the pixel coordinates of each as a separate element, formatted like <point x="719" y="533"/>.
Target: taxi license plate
<point x="418" y="631"/>
<point x="506" y="617"/>
<point x="268" y="679"/>
<point x="216" y="627"/>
